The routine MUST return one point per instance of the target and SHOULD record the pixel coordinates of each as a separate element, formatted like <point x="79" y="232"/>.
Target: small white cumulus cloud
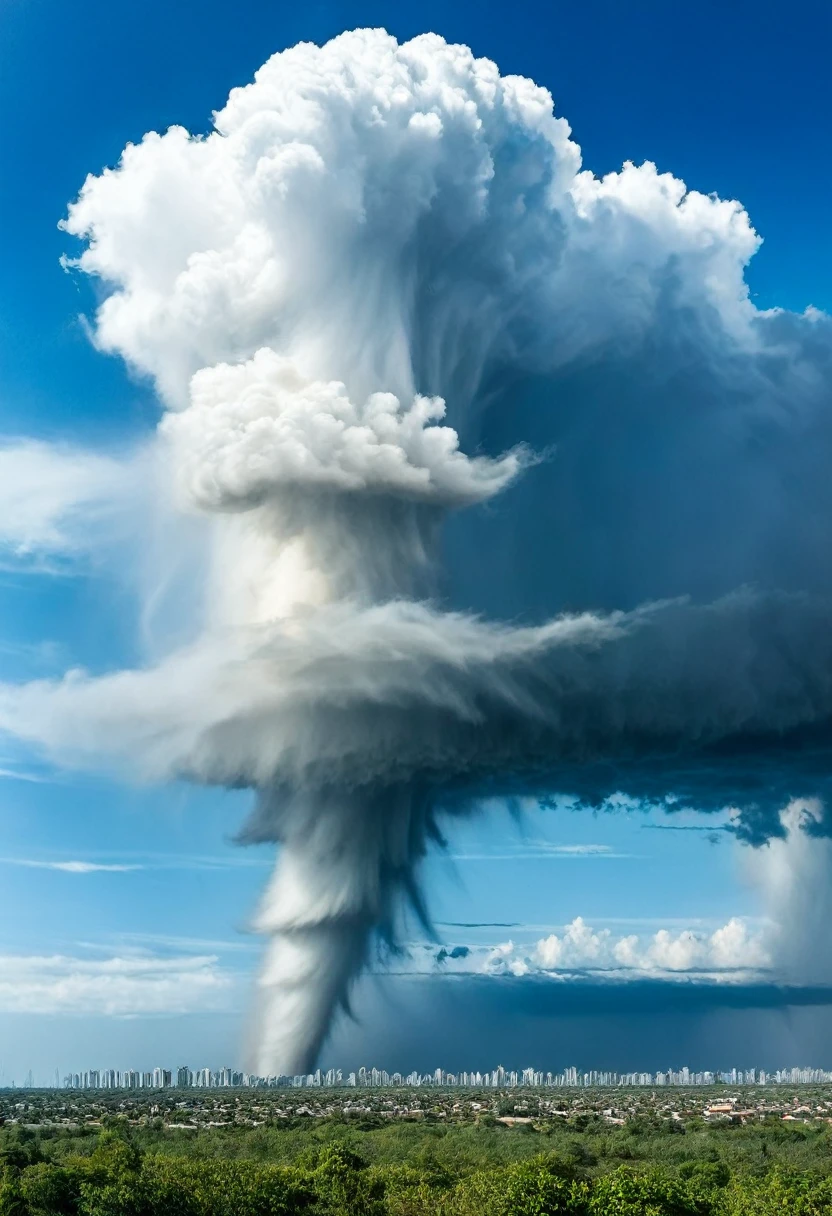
<point x="732" y="952"/>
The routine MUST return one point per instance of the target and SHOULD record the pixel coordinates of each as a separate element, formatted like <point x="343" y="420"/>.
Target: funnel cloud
<point x="506" y="488"/>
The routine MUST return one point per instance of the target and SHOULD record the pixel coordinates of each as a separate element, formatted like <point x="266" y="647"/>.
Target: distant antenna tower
<point x="30" y="1084"/>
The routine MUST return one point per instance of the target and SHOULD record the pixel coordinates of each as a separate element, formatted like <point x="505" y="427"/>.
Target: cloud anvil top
<point x="383" y="290"/>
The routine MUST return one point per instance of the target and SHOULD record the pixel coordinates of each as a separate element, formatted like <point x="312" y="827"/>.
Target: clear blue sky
<point x="733" y="98"/>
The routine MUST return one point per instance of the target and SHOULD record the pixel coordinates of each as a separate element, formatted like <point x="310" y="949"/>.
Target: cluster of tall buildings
<point x="158" y="1078"/>
<point x="374" y="1078"/>
<point x="111" y="1078"/>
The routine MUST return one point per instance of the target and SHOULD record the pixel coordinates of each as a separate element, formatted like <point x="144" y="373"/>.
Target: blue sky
<point x="733" y="99"/>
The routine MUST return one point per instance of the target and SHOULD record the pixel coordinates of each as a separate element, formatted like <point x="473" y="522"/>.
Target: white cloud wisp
<point x="56" y="502"/>
<point x="72" y="867"/>
<point x="121" y="986"/>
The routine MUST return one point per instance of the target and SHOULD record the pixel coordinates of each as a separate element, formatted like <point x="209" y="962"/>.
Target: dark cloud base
<point x="472" y="1023"/>
<point x="593" y="997"/>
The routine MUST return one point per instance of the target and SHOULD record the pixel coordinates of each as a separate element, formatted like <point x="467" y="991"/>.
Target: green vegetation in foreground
<point x="650" y="1165"/>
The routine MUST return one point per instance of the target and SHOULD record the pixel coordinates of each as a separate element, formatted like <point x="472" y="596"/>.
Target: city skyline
<point x="185" y="1077"/>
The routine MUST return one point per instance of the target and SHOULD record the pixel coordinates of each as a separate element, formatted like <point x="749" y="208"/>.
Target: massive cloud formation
<point x="383" y="257"/>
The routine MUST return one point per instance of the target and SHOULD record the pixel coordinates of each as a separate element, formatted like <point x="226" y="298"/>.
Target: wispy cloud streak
<point x="542" y="850"/>
<point x="72" y="867"/>
<point x="76" y="866"/>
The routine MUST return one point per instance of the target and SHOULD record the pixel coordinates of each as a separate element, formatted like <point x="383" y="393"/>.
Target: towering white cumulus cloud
<point x="378" y="278"/>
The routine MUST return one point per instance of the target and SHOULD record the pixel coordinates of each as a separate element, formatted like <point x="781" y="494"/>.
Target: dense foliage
<point x="367" y="1167"/>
